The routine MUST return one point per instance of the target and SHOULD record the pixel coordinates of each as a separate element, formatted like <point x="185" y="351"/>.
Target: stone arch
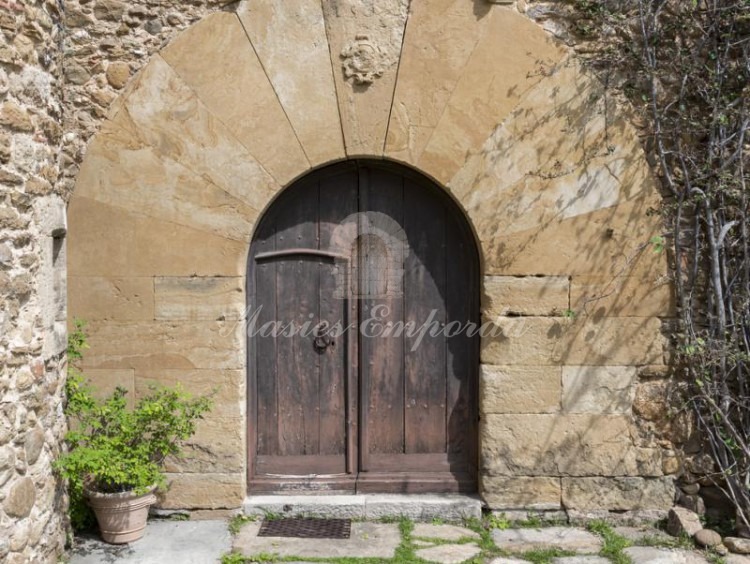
<point x="545" y="166"/>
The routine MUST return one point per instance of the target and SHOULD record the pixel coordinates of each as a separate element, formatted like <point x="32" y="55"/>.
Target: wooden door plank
<point x="358" y="254"/>
<point x="424" y="303"/>
<point x="433" y="462"/>
<point x="461" y="365"/>
<point x="301" y="465"/>
<point x="331" y="400"/>
<point x="290" y="485"/>
<point x="297" y="284"/>
<point x="338" y="208"/>
<point x="381" y="282"/>
<point x="264" y="304"/>
<point x="337" y="228"/>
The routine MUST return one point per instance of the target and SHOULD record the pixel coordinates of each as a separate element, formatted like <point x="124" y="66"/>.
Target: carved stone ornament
<point x="363" y="61"/>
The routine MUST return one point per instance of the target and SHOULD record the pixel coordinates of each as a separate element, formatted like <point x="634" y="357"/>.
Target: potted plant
<point x="115" y="455"/>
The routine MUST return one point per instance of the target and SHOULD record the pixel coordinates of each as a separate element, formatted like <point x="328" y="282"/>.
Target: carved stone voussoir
<point x="362" y="60"/>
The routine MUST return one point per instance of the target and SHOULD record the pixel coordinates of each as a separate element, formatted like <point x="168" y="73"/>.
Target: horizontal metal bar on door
<point x="305" y="252"/>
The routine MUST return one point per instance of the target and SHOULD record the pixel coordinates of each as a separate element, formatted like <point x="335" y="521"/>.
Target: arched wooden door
<point x="362" y="278"/>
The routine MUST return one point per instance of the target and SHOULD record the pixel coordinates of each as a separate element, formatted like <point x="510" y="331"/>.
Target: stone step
<point x="421" y="507"/>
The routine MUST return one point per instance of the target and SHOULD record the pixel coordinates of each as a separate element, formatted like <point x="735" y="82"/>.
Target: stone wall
<point x="546" y="166"/>
<point x="549" y="372"/>
<point x="106" y="42"/>
<point x="32" y="282"/>
<point x="573" y="395"/>
<point x="590" y="400"/>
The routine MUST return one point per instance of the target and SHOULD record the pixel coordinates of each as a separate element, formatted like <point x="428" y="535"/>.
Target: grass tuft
<point x="237" y="558"/>
<point x="545" y="555"/>
<point x="614" y="544"/>
<point x="406" y="550"/>
<point x="683" y="541"/>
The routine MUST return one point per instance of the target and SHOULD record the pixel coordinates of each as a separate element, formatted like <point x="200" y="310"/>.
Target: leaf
<point x="657" y="242"/>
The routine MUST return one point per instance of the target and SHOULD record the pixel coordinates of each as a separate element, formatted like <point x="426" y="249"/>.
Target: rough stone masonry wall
<point x="32" y="282"/>
<point x="104" y="43"/>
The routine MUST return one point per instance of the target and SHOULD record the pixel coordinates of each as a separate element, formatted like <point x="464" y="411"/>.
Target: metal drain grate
<point x="306" y="528"/>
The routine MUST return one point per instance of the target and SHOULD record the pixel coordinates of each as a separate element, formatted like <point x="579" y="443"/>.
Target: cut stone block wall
<point x="493" y="109"/>
<point x="209" y="129"/>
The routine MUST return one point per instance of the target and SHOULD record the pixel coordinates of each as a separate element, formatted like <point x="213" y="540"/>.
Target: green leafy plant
<point x="657" y="242"/>
<point x="499" y="521"/>
<point x="118" y="449"/>
<point x="112" y="448"/>
<point x="233" y="558"/>
<point x="532" y="521"/>
<point x="238" y="521"/>
<point x="178" y="517"/>
<point x="437" y="521"/>
<point x="77" y="393"/>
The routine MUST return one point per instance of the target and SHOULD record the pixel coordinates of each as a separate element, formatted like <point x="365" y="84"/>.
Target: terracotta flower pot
<point x="121" y="516"/>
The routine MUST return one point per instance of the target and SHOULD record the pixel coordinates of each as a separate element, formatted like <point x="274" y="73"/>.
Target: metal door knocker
<point x="322" y="340"/>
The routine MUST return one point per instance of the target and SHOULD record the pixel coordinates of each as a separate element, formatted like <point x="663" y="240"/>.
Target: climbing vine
<point x="685" y="67"/>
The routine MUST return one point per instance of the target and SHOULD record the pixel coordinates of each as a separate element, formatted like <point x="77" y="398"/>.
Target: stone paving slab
<point x="186" y="542"/>
<point x="590" y="559"/>
<point x="637" y="534"/>
<point x="563" y="538"/>
<point x="443" y="532"/>
<point x="652" y="555"/>
<point x="449" y="553"/>
<point x="367" y="540"/>
<point x="580" y="559"/>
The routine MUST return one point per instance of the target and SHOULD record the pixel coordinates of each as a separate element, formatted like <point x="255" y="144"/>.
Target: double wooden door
<point x="362" y="292"/>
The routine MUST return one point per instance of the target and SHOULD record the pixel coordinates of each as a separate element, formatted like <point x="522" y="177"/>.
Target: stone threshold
<point x="420" y="507"/>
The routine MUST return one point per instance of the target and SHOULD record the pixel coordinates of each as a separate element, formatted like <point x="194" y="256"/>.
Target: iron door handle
<point x="321" y="339"/>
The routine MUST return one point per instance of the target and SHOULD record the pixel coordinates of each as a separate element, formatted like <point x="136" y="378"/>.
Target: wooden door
<point x="379" y="393"/>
